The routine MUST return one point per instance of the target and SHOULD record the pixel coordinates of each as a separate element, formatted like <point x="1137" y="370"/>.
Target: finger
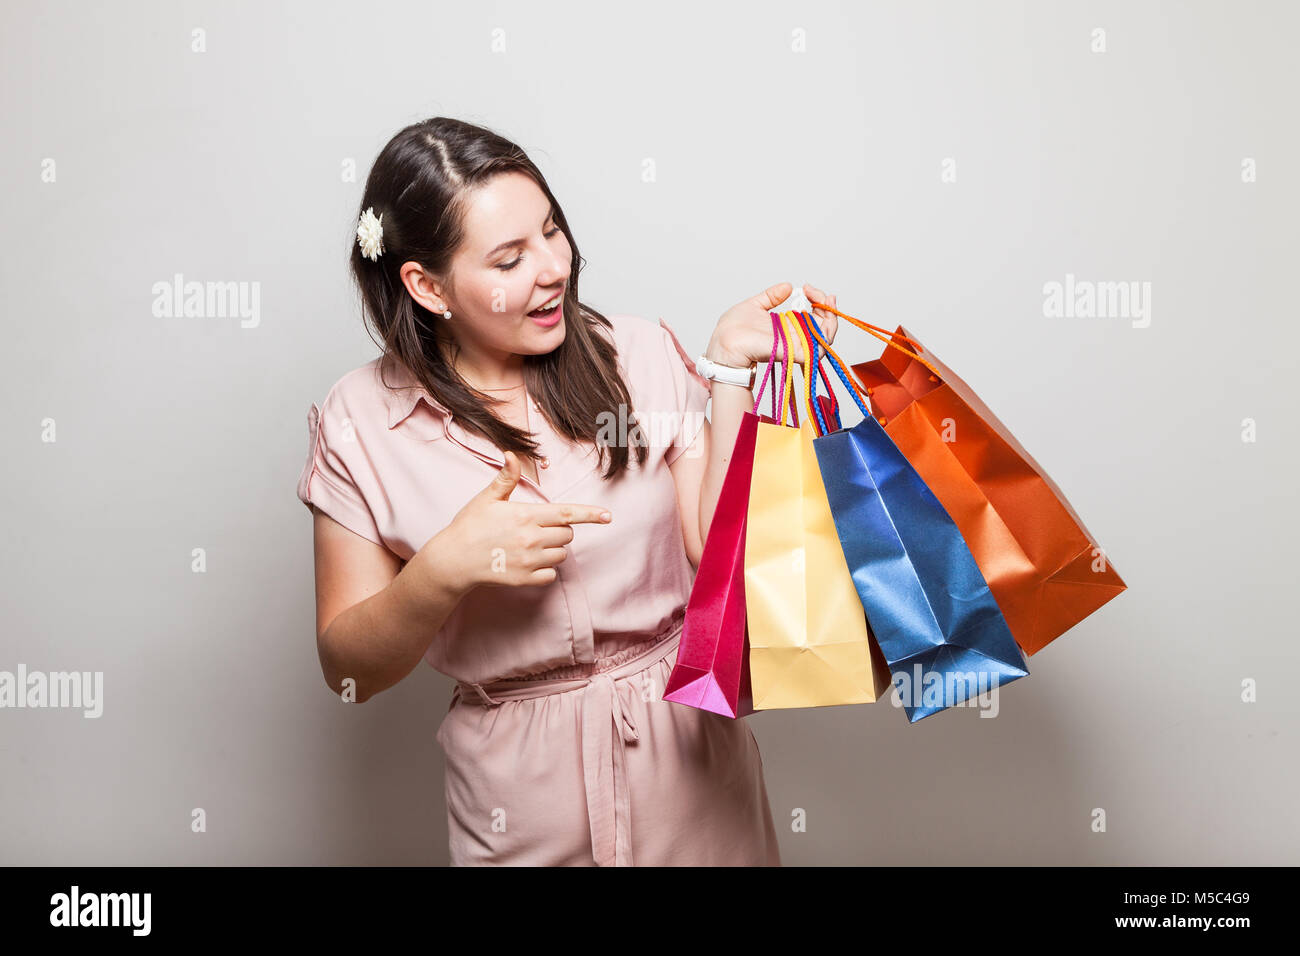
<point x="814" y="295"/>
<point x="826" y="320"/>
<point x="832" y="324"/>
<point x="549" y="557"/>
<point x="544" y="575"/>
<point x="818" y="298"/>
<point x="503" y="483"/>
<point x="555" y="536"/>
<point x="557" y="514"/>
<point x="773" y="296"/>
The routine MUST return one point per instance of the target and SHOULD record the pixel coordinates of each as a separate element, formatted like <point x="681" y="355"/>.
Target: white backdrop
<point x="937" y="164"/>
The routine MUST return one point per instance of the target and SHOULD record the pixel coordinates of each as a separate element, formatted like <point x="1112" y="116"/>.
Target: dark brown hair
<point x="419" y="184"/>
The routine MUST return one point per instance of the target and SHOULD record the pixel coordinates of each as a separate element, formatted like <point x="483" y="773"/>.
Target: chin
<point x="545" y="340"/>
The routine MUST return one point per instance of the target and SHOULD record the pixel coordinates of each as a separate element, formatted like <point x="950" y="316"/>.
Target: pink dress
<point x="559" y="747"/>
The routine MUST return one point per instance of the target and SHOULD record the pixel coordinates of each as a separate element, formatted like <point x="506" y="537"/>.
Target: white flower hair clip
<point x="370" y="234"/>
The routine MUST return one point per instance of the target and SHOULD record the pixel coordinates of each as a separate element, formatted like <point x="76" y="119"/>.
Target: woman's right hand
<point x="744" y="336"/>
<point x="493" y="540"/>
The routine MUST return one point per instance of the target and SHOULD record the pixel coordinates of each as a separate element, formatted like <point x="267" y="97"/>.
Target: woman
<point x="488" y="496"/>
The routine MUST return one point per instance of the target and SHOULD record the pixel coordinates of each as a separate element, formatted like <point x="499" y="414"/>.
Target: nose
<point x="557" y="270"/>
<point x="553" y="278"/>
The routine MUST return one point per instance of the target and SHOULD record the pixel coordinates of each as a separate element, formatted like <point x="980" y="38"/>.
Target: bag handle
<point x="809" y="372"/>
<point x="788" y="336"/>
<point x="810" y="345"/>
<point x="821" y="370"/>
<point x="767" y="373"/>
<point x="812" y="364"/>
<point x="789" y="407"/>
<point x="855" y="390"/>
<point x="780" y="322"/>
<point x="887" y="337"/>
<point x="778" y="332"/>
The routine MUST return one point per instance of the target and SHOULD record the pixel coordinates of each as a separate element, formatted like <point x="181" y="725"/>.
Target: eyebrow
<point x="518" y="242"/>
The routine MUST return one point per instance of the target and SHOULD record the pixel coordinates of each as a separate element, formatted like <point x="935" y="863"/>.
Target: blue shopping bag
<point x="936" y="621"/>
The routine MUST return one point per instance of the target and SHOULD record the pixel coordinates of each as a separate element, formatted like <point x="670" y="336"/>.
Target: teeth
<point x="546" y="305"/>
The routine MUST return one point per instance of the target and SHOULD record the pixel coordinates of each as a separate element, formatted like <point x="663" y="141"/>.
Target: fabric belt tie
<point x="607" y="727"/>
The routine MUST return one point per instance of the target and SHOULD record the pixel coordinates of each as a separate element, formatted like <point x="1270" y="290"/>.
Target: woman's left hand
<point x="743" y="336"/>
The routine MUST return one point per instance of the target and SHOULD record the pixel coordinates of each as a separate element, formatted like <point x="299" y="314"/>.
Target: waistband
<point x="627" y="660"/>
<point x="606" y="728"/>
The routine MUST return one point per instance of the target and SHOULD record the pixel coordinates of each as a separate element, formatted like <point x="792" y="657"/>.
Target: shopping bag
<point x="1046" y="570"/>
<point x="935" y="618"/>
<point x="809" y="643"/>
<point x="711" y="671"/>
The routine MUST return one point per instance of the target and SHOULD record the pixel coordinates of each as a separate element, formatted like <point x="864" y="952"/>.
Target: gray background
<point x="821" y="166"/>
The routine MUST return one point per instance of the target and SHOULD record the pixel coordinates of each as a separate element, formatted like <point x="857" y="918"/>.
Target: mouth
<point x="549" y="309"/>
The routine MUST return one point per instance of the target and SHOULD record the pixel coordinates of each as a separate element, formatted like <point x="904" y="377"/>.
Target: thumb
<point x="771" y="297"/>
<point x="504" y="483"/>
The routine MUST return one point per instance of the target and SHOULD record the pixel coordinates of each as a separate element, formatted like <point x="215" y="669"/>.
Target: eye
<point x="507" y="266"/>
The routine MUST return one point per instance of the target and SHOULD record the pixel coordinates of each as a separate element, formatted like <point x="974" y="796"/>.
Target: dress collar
<point x="568" y="463"/>
<point x="405" y="393"/>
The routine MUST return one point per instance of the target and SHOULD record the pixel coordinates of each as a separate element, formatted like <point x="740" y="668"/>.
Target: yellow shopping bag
<point x="809" y="642"/>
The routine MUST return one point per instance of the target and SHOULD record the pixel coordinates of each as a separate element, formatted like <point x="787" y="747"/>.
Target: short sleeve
<point x="326" y="481"/>
<point x="689" y="394"/>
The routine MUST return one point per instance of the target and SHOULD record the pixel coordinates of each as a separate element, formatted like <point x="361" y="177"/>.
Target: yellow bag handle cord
<point x="808" y="374"/>
<point x="826" y="350"/>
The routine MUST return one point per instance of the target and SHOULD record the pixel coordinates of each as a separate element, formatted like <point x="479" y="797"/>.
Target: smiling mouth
<point x="550" y="306"/>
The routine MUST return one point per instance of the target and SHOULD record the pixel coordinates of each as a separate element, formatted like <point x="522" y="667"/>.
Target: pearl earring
<point x="447" y="314"/>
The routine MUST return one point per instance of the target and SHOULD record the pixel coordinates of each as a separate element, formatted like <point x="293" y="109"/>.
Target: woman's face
<point x="513" y="260"/>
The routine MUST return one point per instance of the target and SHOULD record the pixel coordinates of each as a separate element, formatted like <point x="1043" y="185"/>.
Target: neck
<point x="488" y="369"/>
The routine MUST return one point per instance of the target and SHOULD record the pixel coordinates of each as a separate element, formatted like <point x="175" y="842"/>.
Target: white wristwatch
<point x="728" y="374"/>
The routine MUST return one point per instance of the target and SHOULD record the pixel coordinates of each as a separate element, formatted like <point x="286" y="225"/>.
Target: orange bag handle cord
<point x="884" y="335"/>
<point x="827" y="350"/>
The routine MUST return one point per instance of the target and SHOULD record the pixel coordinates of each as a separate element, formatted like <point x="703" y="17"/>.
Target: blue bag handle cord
<point x="839" y="370"/>
<point x="810" y="371"/>
<point x="818" y="355"/>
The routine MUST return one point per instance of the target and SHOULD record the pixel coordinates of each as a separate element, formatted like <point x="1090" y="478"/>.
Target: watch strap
<point x="728" y="374"/>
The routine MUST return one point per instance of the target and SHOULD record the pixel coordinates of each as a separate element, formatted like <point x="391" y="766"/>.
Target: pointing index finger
<point x="564" y="513"/>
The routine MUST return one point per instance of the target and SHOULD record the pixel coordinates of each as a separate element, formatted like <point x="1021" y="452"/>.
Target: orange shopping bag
<point x="1045" y="569"/>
